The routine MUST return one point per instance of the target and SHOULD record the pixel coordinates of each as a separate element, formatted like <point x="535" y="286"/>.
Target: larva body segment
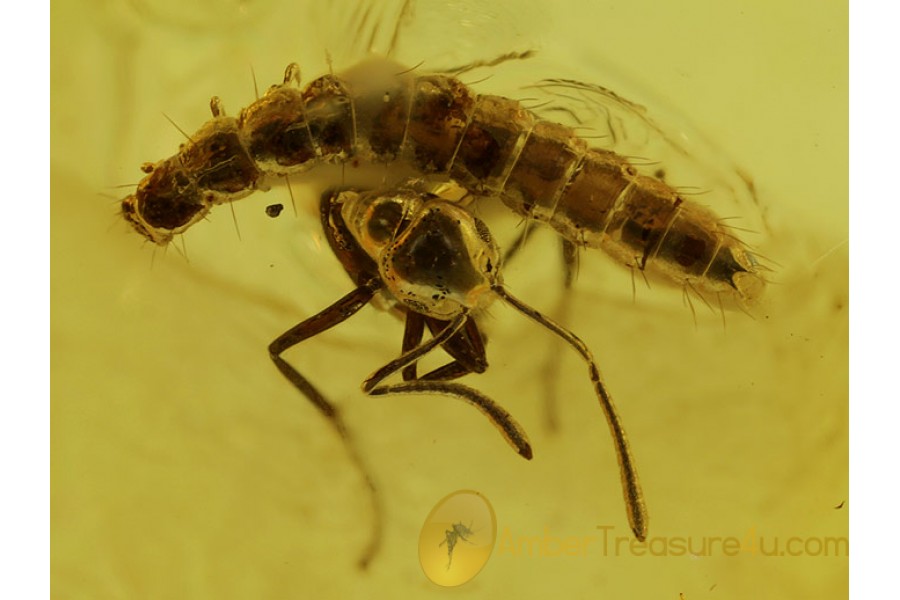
<point x="434" y="124"/>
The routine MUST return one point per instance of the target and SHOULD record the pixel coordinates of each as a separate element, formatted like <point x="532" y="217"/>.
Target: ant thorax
<point x="433" y="256"/>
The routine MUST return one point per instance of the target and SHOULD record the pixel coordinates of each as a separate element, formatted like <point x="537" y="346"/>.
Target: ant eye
<point x="384" y="220"/>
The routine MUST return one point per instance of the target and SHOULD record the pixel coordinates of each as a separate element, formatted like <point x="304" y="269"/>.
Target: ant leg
<point x="570" y="262"/>
<point x="412" y="337"/>
<point x="335" y="314"/>
<point x="414" y="354"/>
<point x="466" y="347"/>
<point x="452" y="370"/>
<point x="631" y="488"/>
<point x="510" y="429"/>
<point x="551" y="367"/>
<point x="513" y="248"/>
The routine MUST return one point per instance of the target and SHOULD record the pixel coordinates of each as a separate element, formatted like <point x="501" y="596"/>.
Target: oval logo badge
<point x="457" y="538"/>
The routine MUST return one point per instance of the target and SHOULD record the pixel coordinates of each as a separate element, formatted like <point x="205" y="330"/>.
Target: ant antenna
<point x="631" y="488"/>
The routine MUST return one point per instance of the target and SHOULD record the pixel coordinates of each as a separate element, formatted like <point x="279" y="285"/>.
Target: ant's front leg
<point x="508" y="426"/>
<point x="335" y="314"/>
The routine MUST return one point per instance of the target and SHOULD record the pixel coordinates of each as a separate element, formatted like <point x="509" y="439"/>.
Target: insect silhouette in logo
<point x="457" y="532"/>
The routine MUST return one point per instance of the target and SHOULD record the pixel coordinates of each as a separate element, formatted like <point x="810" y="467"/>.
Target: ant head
<point x="433" y="256"/>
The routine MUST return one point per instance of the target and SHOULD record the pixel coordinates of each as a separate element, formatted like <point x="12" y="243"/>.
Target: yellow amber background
<point x="184" y="466"/>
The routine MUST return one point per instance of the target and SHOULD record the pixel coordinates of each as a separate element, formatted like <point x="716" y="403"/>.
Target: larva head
<point x="166" y="202"/>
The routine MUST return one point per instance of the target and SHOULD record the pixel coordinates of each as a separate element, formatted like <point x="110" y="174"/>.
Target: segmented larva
<point x="491" y="145"/>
